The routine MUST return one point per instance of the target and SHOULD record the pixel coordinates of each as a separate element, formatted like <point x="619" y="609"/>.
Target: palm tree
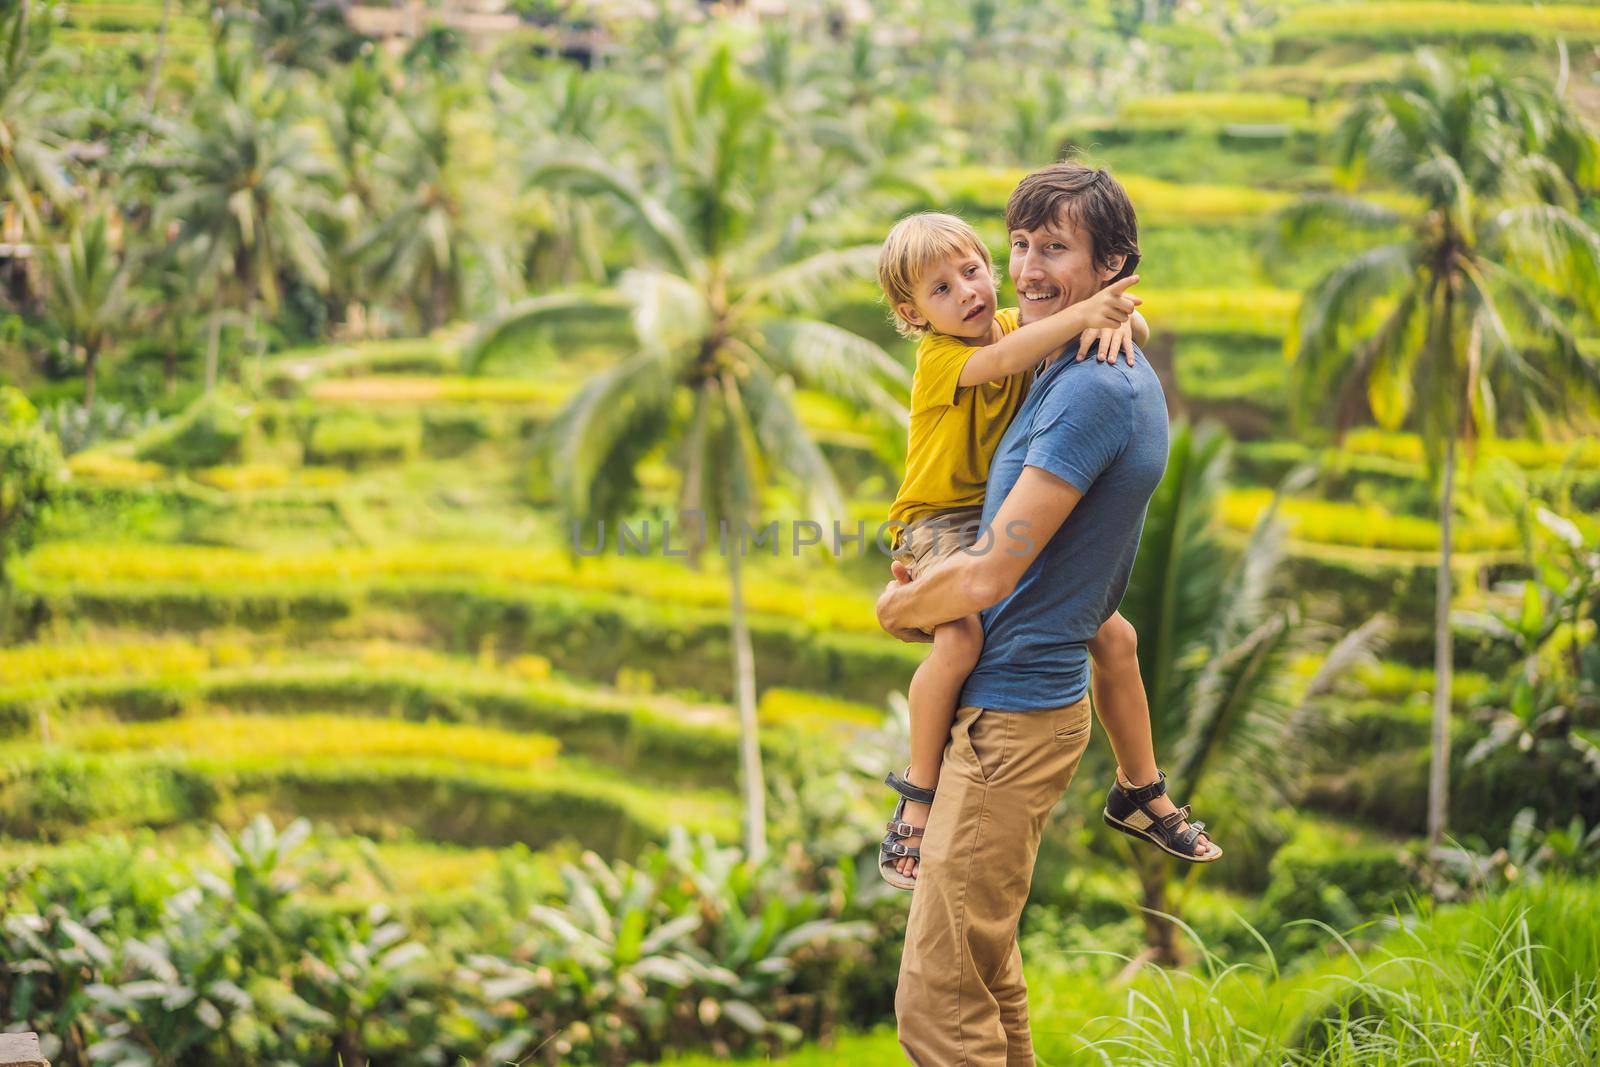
<point x="246" y="194"/>
<point x="31" y="162"/>
<point x="566" y="110"/>
<point x="293" y="33"/>
<point x="1215" y="647"/>
<point x="421" y="245"/>
<point x="88" y="289"/>
<point x="718" y="308"/>
<point x="1456" y="318"/>
<point x="360" y="120"/>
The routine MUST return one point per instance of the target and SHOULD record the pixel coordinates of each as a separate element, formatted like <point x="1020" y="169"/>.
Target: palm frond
<point x="1553" y="245"/>
<point x="837" y="361"/>
<point x="656" y="220"/>
<point x="594" y="443"/>
<point x="1237" y="707"/>
<point x="1243" y="605"/>
<point x="805" y="285"/>
<point x="787" y="444"/>
<point x="1380" y="378"/>
<point x="535" y="312"/>
<point x="1445" y="185"/>
<point x="669" y="314"/>
<point x="1569" y="377"/>
<point x="1180" y="571"/>
<point x="1354" y="649"/>
<point x="1313" y="216"/>
<point x="1345" y="296"/>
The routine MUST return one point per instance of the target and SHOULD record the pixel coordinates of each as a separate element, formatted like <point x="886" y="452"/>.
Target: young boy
<point x="973" y="368"/>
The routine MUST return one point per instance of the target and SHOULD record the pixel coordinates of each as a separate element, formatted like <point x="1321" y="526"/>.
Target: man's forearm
<point x="963" y="585"/>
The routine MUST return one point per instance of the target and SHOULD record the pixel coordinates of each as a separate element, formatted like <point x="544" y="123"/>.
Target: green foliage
<point x="587" y="634"/>
<point x="633" y="735"/>
<point x="356" y="439"/>
<point x="693" y="945"/>
<point x="48" y="795"/>
<point x="30" y="473"/>
<point x="209" y="433"/>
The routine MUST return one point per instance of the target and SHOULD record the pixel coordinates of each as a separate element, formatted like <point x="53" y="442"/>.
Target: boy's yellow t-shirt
<point x="955" y="429"/>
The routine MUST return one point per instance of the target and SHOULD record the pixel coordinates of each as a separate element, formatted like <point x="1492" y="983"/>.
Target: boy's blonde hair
<point x="916" y="243"/>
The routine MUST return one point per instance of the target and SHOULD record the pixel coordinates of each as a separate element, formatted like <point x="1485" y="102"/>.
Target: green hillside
<point x="330" y="737"/>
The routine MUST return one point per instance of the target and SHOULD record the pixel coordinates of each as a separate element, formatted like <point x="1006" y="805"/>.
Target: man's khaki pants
<point x="962" y="999"/>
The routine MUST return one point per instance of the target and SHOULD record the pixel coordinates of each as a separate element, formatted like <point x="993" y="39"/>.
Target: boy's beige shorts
<point x="928" y="542"/>
<point x="961" y="998"/>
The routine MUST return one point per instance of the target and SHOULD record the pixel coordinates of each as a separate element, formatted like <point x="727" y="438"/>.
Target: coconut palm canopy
<point x="733" y="216"/>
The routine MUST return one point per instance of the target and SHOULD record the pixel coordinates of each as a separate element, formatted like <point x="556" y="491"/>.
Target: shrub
<point x="30" y="477"/>
<point x="691" y="945"/>
<point x="1342" y="886"/>
<point x="450" y="433"/>
<point x="355" y="439"/>
<point x="207" y="434"/>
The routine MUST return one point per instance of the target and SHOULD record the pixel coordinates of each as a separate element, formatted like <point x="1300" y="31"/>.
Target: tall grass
<point x="1509" y="980"/>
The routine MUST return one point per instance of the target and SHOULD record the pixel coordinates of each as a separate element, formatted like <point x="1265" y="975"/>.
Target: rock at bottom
<point x="21" y="1050"/>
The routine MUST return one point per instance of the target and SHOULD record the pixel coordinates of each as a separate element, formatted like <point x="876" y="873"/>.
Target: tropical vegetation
<point x="355" y="362"/>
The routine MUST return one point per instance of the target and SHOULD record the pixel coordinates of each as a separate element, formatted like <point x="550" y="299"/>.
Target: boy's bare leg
<point x="935" y="688"/>
<point x="1124" y="711"/>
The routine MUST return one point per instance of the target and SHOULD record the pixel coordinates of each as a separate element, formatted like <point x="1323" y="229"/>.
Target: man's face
<point x="1053" y="267"/>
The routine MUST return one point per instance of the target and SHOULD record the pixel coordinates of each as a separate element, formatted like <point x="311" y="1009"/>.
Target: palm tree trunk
<point x="744" y="685"/>
<point x="90" y="358"/>
<point x="1160" y="932"/>
<point x="155" y="65"/>
<point x="1439" y="768"/>
<point x="213" y="340"/>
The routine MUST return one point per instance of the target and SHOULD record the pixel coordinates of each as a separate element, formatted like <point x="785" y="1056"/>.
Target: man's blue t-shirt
<point x="1104" y="430"/>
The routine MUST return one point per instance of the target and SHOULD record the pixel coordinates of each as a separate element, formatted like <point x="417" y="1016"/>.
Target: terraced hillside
<point x="338" y="586"/>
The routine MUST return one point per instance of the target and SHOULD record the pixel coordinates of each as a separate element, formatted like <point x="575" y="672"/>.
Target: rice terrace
<point x="447" y="453"/>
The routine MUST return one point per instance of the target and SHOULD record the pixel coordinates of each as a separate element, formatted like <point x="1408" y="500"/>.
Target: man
<point x="1067" y="493"/>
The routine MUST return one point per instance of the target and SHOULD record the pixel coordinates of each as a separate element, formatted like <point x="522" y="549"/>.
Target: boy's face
<point x="1053" y="267"/>
<point x="955" y="297"/>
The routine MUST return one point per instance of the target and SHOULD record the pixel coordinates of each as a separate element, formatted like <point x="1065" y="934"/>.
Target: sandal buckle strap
<point x="907" y="790"/>
<point x="1145" y="793"/>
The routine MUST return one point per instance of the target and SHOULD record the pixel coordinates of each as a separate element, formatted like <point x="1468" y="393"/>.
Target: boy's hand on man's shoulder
<point x="1107" y="344"/>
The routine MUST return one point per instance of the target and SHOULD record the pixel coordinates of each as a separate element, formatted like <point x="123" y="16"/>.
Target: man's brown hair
<point x="1087" y="197"/>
